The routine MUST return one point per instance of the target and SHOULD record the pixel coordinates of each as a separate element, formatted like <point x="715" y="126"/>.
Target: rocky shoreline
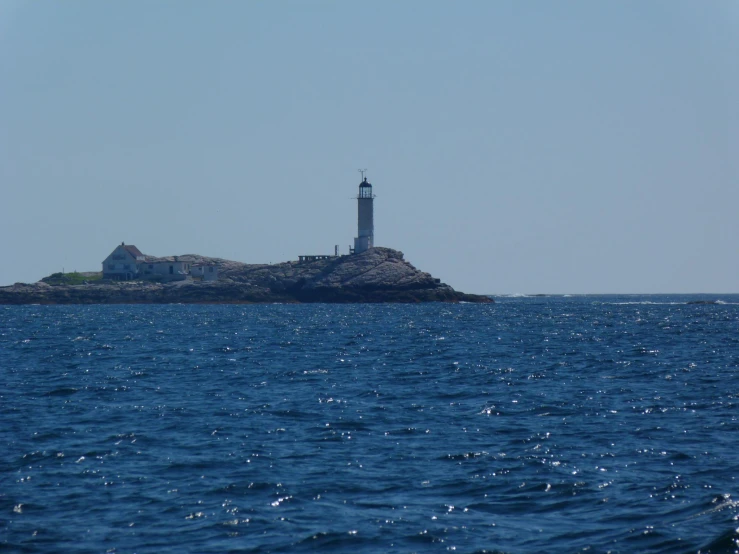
<point x="377" y="275"/>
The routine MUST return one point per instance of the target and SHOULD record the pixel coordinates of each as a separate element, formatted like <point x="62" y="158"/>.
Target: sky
<point x="514" y="146"/>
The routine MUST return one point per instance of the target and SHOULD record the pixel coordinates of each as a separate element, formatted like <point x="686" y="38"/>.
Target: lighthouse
<point x="365" y="217"/>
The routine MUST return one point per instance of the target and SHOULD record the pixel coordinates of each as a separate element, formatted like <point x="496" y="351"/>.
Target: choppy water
<point x="533" y="425"/>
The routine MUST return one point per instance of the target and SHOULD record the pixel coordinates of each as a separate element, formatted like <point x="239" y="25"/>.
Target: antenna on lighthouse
<point x="362" y="171"/>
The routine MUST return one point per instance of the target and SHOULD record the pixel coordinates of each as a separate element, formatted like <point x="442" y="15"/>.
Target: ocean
<point x="544" y="424"/>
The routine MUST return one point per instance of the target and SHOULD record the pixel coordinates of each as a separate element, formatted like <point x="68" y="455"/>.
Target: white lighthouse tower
<point x="365" y="220"/>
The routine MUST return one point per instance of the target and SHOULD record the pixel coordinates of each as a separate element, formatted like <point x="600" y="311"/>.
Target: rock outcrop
<point x="377" y="275"/>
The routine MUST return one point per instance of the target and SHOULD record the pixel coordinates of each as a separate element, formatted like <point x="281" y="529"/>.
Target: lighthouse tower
<point x="365" y="220"/>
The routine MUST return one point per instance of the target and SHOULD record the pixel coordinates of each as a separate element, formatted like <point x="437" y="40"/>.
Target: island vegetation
<point x="74" y="278"/>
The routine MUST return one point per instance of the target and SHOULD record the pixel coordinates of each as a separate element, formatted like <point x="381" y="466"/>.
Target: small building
<point x="206" y="272"/>
<point x="164" y="269"/>
<point x="122" y="264"/>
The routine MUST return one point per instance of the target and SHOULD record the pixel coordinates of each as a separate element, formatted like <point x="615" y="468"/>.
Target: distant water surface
<point x="548" y="424"/>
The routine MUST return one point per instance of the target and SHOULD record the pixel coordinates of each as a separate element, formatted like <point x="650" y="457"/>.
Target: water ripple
<point x="534" y="424"/>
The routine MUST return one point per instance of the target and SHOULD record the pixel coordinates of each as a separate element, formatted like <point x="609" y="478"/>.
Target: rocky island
<point x="374" y="275"/>
<point x="367" y="274"/>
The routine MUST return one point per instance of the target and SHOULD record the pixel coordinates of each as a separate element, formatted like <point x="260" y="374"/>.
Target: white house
<point x="122" y="263"/>
<point x="127" y="262"/>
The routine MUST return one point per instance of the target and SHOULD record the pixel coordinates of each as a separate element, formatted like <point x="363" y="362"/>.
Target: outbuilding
<point x="164" y="269"/>
<point x="207" y="272"/>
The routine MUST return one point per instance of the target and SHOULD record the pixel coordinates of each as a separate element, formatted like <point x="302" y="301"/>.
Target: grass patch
<point x="74" y="278"/>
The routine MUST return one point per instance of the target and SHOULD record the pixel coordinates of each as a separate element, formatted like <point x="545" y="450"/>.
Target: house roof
<point x="131" y="249"/>
<point x="164" y="260"/>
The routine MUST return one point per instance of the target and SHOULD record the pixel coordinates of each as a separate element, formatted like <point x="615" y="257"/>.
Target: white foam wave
<point x="645" y="303"/>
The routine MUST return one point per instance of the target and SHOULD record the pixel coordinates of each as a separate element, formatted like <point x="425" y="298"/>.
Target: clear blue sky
<point x="514" y="146"/>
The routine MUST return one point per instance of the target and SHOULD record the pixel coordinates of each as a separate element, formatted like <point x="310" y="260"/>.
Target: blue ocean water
<point x="548" y="424"/>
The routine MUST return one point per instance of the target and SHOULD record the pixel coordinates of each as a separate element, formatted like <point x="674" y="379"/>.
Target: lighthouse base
<point x="362" y="244"/>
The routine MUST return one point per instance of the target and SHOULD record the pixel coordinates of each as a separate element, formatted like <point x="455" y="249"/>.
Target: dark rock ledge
<point x="377" y="275"/>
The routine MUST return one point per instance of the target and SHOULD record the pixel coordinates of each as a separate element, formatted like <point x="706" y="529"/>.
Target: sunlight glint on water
<point x="535" y="424"/>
